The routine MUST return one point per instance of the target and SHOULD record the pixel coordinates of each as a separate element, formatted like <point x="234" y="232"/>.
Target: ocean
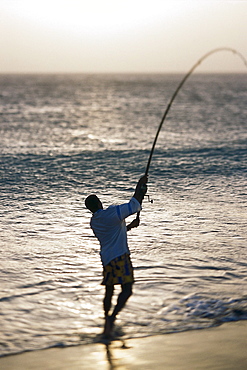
<point x="64" y="137"/>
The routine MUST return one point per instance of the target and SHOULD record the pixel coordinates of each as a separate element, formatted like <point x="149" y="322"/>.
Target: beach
<point x="222" y="347"/>
<point x="67" y="136"/>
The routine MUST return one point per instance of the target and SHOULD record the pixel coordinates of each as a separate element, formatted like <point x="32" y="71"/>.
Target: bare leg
<point x="109" y="289"/>
<point x="122" y="299"/>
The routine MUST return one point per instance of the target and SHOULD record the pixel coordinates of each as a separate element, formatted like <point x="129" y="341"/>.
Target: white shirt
<point x="109" y="227"/>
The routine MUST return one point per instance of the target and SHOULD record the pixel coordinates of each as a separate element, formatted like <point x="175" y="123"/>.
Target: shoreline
<point x="217" y="348"/>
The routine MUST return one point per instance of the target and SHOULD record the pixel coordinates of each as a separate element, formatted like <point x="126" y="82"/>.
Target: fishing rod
<point x="180" y="86"/>
<point x="176" y="92"/>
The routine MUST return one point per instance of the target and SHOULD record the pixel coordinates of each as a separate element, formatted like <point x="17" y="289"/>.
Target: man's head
<point x="93" y="203"/>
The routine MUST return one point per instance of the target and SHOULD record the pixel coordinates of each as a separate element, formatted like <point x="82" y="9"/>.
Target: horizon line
<point x="114" y="72"/>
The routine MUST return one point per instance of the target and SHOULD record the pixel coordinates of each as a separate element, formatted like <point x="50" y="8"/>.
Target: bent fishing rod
<point x="179" y="87"/>
<point x="176" y="92"/>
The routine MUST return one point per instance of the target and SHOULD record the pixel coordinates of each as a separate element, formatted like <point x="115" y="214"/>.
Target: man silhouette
<point x="110" y="228"/>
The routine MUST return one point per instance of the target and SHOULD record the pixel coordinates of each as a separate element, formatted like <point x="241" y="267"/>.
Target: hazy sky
<point x="120" y="35"/>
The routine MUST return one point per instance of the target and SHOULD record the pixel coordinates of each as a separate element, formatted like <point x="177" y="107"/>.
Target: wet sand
<point x="223" y="347"/>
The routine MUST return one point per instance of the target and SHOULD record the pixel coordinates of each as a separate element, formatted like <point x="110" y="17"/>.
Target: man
<point x="109" y="227"/>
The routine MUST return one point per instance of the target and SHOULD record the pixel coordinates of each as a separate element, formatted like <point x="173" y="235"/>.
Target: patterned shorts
<point x="118" y="271"/>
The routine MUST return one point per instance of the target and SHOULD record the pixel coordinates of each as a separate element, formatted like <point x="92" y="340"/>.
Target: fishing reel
<point x="149" y="200"/>
<point x="144" y="189"/>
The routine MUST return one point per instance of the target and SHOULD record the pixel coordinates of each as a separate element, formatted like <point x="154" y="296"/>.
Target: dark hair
<point x="92" y="202"/>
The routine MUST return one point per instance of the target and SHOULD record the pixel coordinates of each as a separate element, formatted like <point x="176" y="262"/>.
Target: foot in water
<point x="109" y="321"/>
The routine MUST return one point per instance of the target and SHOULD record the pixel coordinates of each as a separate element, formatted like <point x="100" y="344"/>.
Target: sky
<point x="126" y="36"/>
